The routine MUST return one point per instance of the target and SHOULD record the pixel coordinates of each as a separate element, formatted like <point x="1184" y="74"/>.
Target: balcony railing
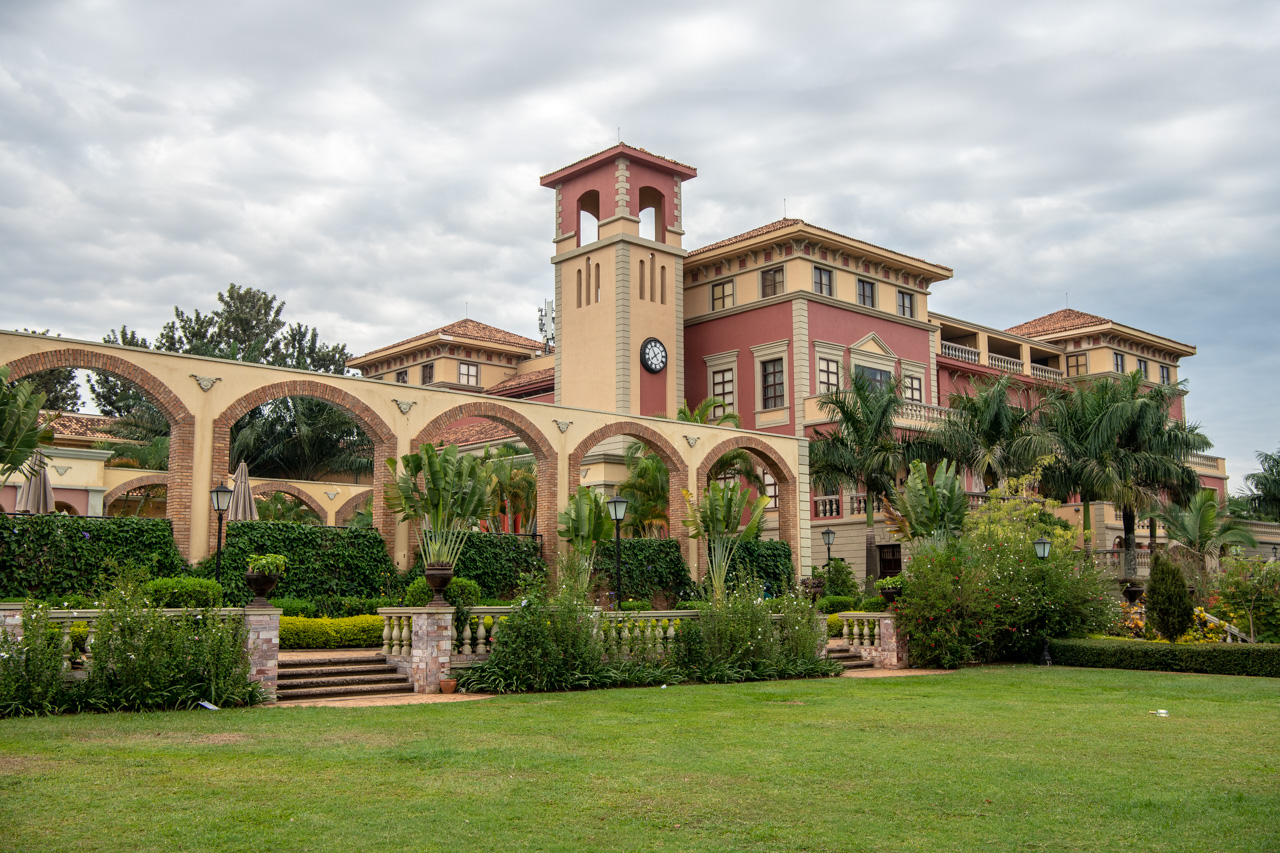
<point x="1000" y="362"/>
<point x="960" y="352"/>
<point x="922" y="413"/>
<point x="827" y="506"/>
<point x="1052" y="374"/>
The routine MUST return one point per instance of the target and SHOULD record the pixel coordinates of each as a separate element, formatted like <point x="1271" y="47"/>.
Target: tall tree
<point x="987" y="433"/>
<point x="1200" y="529"/>
<point x="1264" y="487"/>
<point x="298" y="438"/>
<point x="1071" y="418"/>
<point x="113" y="395"/>
<point x="59" y="385"/>
<point x="21" y="429"/>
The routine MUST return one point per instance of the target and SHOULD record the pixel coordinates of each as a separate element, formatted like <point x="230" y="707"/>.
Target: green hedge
<point x="649" y="567"/>
<point x="353" y="632"/>
<point x="197" y="593"/>
<point x="321" y="561"/>
<point x="496" y="561"/>
<point x="57" y="555"/>
<point x="766" y="560"/>
<point x="1214" y="658"/>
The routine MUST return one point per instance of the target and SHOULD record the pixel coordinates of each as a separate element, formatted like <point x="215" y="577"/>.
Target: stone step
<point x="322" y="660"/>
<point x="320" y="671"/>
<point x="339" y="681"/>
<point x="345" y="690"/>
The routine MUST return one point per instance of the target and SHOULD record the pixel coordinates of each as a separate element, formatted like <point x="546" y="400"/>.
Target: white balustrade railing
<point x="1001" y="362"/>
<point x="923" y="413"/>
<point x="861" y="630"/>
<point x="827" y="506"/>
<point x="1052" y="374"/>
<point x="961" y="352"/>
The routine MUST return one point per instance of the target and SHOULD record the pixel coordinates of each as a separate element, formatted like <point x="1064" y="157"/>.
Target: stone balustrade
<point x="1002" y="362"/>
<point x="923" y="413"/>
<point x="826" y="506"/>
<point x="1052" y="374"/>
<point x="874" y="637"/>
<point x="960" y="352"/>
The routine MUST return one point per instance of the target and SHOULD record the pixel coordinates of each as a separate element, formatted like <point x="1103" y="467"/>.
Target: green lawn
<point x="1002" y="758"/>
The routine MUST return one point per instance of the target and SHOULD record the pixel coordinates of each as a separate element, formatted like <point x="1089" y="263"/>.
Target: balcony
<point x="1214" y="466"/>
<point x="1049" y="374"/>
<point x="1002" y="351"/>
<point x="826" y="506"/>
<point x="1000" y="362"/>
<point x="961" y="353"/>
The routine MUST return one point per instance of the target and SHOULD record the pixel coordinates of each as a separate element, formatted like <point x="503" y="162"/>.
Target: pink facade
<point x="740" y="332"/>
<point x="834" y="325"/>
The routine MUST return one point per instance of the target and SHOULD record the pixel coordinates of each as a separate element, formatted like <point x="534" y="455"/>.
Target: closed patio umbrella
<point x="36" y="493"/>
<point x="242" y="506"/>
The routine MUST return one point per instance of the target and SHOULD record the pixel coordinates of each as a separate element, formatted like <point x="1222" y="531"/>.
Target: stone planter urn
<point x="438" y="575"/>
<point x="890" y="593"/>
<point x="260" y="585"/>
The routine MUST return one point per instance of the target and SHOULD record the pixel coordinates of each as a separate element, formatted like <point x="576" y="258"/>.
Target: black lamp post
<point x="828" y="539"/>
<point x="617" y="511"/>
<point x="1042" y="546"/>
<point x="221" y="497"/>
<point x="1273" y="552"/>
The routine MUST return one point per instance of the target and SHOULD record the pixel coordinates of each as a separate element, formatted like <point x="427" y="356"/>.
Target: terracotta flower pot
<point x="260" y="585"/>
<point x="448" y="685"/>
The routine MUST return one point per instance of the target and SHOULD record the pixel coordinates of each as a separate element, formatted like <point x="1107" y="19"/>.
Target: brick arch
<point x="129" y="485"/>
<point x="535" y="439"/>
<point x="677" y="469"/>
<point x="788" y="496"/>
<point x="384" y="439"/>
<point x="349" y="508"/>
<point x="181" y="422"/>
<point x="266" y="490"/>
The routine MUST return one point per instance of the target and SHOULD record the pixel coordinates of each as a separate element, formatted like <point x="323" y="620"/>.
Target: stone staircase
<point x="322" y="676"/>
<point x="849" y="659"/>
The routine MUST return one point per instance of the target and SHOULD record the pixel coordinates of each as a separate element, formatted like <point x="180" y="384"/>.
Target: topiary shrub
<point x="462" y="593"/>
<point x="419" y="593"/>
<point x="838" y="603"/>
<point x="1256" y="659"/>
<point x="353" y="632"/>
<point x="295" y="607"/>
<point x="193" y="593"/>
<point x="1169" y="609"/>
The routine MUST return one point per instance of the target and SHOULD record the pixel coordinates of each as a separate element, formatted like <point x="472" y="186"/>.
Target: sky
<point x="376" y="164"/>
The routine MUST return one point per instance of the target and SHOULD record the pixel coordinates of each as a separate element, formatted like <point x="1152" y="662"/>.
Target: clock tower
<point x="619" y="282"/>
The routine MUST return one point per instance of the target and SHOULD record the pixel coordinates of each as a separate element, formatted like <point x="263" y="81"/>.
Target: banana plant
<point x="20" y="429"/>
<point x="928" y="512"/>
<point x="444" y="492"/>
<point x="718" y="519"/>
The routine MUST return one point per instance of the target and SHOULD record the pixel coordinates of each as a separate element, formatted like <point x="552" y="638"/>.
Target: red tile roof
<point x="473" y="329"/>
<point x="1059" y="321"/>
<point x="783" y="224"/>
<point x="483" y="432"/>
<point x="620" y="148"/>
<point x="524" y="382"/>
<point x="83" y="426"/>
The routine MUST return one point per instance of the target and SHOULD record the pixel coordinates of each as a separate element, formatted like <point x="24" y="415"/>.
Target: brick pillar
<point x="264" y="646"/>
<point x="11" y="619"/>
<point x="893" y="648"/>
<point x="432" y="645"/>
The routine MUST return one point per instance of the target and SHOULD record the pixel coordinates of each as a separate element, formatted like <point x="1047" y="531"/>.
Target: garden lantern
<point x="828" y="539"/>
<point x="617" y="511"/>
<point x="221" y="497"/>
<point x="1042" y="547"/>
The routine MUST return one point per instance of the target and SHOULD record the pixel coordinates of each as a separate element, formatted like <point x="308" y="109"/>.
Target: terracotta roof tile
<point x="83" y="426"/>
<point x="782" y="224"/>
<point x="621" y="148"/>
<point x="484" y="432"/>
<point x="473" y="329"/>
<point x="1059" y="321"/>
<point x="546" y="376"/>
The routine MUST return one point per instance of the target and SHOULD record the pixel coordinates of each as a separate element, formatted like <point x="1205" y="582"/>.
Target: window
<point x="913" y="389"/>
<point x="770" y="489"/>
<point x="906" y="304"/>
<point x="1078" y="364"/>
<point x="722" y="295"/>
<point x="428" y="373"/>
<point x="822" y="281"/>
<point x="775" y="392"/>
<point x="866" y="293"/>
<point x="828" y="375"/>
<point x="1142" y="368"/>
<point x="402" y="376"/>
<point x="1164" y="375"/>
<point x="771" y="283"/>
<point x="1119" y="361"/>
<point x="722" y="387"/>
<point x="878" y="378"/>
<point x="468" y="374"/>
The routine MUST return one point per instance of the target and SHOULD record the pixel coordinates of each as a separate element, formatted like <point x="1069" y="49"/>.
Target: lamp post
<point x="221" y="497"/>
<point x="1042" y="546"/>
<point x="617" y="511"/>
<point x="828" y="539"/>
<point x="1273" y="552"/>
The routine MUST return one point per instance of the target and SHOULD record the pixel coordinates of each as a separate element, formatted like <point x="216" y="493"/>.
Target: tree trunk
<point x="1088" y="526"/>
<point x="1151" y="534"/>
<point x="873" y="556"/>
<point x="1130" y="518"/>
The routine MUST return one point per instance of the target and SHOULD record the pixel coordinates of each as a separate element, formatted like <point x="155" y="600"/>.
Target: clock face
<point x="653" y="355"/>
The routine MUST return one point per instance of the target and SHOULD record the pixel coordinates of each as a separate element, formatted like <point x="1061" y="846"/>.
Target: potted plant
<point x="443" y="493"/>
<point x="263" y="575"/>
<point x="889" y="588"/>
<point x="448" y="685"/>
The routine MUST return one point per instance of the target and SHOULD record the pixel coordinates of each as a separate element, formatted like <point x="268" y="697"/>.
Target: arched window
<point x="588" y="272"/>
<point x="588" y="217"/>
<point x="648" y="224"/>
<point x="653" y="278"/>
<point x="597" y="282"/>
<point x="664" y="284"/>
<point x="579" y="288"/>
<point x="652" y="221"/>
<point x="642" y="281"/>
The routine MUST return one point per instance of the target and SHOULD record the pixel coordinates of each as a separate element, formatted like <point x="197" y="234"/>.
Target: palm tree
<point x="300" y="438"/>
<point x="21" y="430"/>
<point x="282" y="506"/>
<point x="1140" y="455"/>
<point x="1264" y="487"/>
<point x="513" y="487"/>
<point x="152" y="456"/>
<point x="1071" y="418"/>
<point x="988" y="434"/>
<point x="1200" y="529"/>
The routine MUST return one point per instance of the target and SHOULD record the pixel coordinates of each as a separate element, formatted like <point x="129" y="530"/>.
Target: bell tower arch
<point x="619" y="303"/>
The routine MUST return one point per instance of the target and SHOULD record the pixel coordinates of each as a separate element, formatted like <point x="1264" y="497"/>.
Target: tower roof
<point x="622" y="149"/>
<point x="1065" y="320"/>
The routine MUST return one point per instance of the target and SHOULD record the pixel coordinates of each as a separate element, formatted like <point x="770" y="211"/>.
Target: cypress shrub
<point x="1168" y="603"/>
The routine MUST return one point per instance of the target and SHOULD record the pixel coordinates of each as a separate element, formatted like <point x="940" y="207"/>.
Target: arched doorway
<point x="784" y="480"/>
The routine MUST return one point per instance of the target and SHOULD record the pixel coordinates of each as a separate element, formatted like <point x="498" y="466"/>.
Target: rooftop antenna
<point x="784" y="208"/>
<point x="619" y="134"/>
<point x="466" y="310"/>
<point x="1067" y="299"/>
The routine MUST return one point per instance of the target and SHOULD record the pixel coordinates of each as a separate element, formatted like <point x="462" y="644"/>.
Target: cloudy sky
<point x="375" y="164"/>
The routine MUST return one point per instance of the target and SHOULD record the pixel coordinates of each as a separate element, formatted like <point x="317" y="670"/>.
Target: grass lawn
<point x="1001" y="758"/>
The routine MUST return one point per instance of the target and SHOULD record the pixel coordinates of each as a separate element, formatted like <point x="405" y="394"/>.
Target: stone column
<point x="11" y="619"/>
<point x="432" y="645"/>
<point x="893" y="649"/>
<point x="263" y="624"/>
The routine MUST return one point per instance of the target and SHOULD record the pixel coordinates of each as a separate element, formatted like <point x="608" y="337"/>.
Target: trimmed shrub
<point x="323" y="561"/>
<point x="341" y="606"/>
<point x="496" y="561"/>
<point x="1169" y="608"/>
<point x="1260" y="659"/>
<point x="419" y="594"/>
<point x="837" y="603"/>
<point x="462" y="593"/>
<point x="48" y="556"/>
<point x="767" y="561"/>
<point x="353" y="632"/>
<point x="650" y="567"/>
<point x="295" y="607"/>
<point x="195" y="593"/>
<point x="635" y="606"/>
<point x="873" y="604"/>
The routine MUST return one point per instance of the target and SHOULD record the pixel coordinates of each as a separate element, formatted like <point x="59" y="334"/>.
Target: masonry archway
<point x="788" y="528"/>
<point x="353" y="504"/>
<point x="544" y="456"/>
<point x="128" y="486"/>
<point x="181" y="422"/>
<point x="269" y="488"/>
<point x="384" y="440"/>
